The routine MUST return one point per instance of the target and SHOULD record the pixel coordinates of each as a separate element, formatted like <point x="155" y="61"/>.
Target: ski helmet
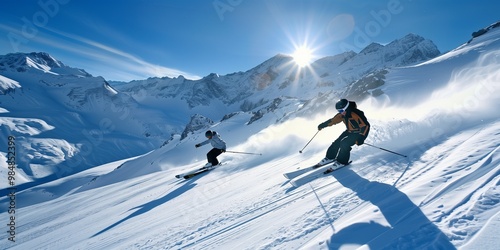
<point x="343" y="104"/>
<point x="208" y="133"/>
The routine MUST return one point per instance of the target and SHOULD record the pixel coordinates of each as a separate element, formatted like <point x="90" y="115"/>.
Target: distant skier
<point x="357" y="130"/>
<point x="219" y="147"/>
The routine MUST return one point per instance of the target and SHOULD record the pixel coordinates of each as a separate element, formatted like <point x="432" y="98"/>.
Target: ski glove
<point x="360" y="140"/>
<point x="323" y="125"/>
<point x="197" y="145"/>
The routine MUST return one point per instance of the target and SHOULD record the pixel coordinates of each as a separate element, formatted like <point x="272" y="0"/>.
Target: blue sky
<point x="132" y="39"/>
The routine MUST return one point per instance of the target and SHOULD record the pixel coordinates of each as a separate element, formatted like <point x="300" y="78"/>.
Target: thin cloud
<point x="111" y="59"/>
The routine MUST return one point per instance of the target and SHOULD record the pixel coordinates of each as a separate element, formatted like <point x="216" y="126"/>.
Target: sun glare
<point x="302" y="56"/>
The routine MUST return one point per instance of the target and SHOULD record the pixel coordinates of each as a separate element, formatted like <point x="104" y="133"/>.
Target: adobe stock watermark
<point x="11" y="183"/>
<point x="30" y="26"/>
<point x="380" y="20"/>
<point x="223" y="6"/>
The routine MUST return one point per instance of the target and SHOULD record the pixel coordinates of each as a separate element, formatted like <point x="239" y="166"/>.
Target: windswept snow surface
<point x="443" y="115"/>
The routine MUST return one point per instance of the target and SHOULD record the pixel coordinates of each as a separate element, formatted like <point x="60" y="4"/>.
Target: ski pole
<point x="385" y="150"/>
<point x="309" y="142"/>
<point x="236" y="152"/>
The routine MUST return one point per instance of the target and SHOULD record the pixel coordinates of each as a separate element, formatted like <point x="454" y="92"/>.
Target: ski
<point x="180" y="176"/>
<point x="195" y="172"/>
<point x="301" y="171"/>
<point x="317" y="173"/>
<point x="201" y="171"/>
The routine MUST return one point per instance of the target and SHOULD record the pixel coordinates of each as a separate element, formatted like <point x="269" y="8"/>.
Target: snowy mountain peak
<point x="407" y="50"/>
<point x="22" y="61"/>
<point x="373" y="47"/>
<point x="415" y="44"/>
<point x="37" y="61"/>
<point x="410" y="39"/>
<point x="42" y="58"/>
<point x="210" y="77"/>
<point x="275" y="61"/>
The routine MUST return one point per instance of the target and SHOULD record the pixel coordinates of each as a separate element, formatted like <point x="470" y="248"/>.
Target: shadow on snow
<point x="189" y="184"/>
<point x="407" y="222"/>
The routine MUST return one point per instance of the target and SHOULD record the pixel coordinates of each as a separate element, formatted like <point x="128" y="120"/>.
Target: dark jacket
<point x="354" y="120"/>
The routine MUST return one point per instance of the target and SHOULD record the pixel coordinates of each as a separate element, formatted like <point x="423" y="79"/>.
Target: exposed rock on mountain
<point x="197" y="122"/>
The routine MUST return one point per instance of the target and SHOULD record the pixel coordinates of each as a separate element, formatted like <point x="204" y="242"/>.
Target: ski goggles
<point x="342" y="110"/>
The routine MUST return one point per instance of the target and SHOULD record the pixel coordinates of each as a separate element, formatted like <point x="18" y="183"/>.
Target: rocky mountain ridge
<point x="279" y="76"/>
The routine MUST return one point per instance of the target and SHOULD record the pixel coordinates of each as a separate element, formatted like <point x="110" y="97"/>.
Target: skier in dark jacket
<point x="357" y="128"/>
<point x="218" y="144"/>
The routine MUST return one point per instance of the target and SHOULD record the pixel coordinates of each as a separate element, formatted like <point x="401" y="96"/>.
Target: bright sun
<point x="302" y="56"/>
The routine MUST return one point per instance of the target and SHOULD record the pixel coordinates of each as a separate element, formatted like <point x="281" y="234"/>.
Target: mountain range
<point x="61" y="114"/>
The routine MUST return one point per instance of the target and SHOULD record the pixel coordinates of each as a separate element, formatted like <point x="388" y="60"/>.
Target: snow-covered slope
<point x="444" y="195"/>
<point x="7" y="85"/>
<point x="66" y="121"/>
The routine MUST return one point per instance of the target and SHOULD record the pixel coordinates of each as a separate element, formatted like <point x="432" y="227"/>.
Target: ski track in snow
<point x="309" y="223"/>
<point x="254" y="214"/>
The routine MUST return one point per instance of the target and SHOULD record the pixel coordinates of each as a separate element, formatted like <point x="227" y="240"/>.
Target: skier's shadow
<point x="407" y="222"/>
<point x="144" y="208"/>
